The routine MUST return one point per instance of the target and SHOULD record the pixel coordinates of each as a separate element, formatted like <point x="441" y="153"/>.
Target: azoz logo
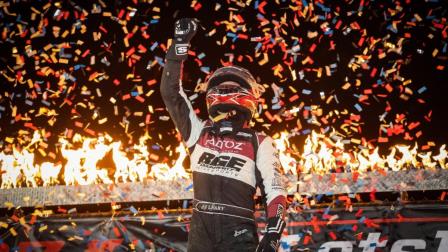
<point x="224" y="143"/>
<point x="222" y="161"/>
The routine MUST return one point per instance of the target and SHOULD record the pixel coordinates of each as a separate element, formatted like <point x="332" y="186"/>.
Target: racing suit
<point x="226" y="172"/>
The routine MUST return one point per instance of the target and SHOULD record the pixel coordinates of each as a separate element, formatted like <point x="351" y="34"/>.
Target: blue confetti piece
<point x="276" y="106"/>
<point x="327" y="210"/>
<point x="154" y="46"/>
<point x="358" y="107"/>
<point x="205" y="70"/>
<point x="140" y="245"/>
<point x="134" y="93"/>
<point x="230" y="34"/>
<point x="334" y="20"/>
<point x="201" y="56"/>
<point x="329" y="193"/>
<point x="189" y="187"/>
<point x="323" y="8"/>
<point x="422" y="89"/>
<point x="319" y="197"/>
<point x="343" y="228"/>
<point x="391" y="28"/>
<point x="306" y="131"/>
<point x="154" y="21"/>
<point x="126" y="238"/>
<point x="259" y="16"/>
<point x="79" y="66"/>
<point x="69" y="76"/>
<point x="160" y="61"/>
<point x="46" y="103"/>
<point x="284" y="245"/>
<point x="65" y="55"/>
<point x="363" y="218"/>
<point x="360" y="183"/>
<point x="133" y="210"/>
<point x="306" y="91"/>
<point x="382" y="73"/>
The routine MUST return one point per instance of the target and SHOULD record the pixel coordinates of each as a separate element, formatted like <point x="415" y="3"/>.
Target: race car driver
<point x="228" y="159"/>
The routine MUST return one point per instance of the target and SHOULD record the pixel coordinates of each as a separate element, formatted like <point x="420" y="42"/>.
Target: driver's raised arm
<point x="173" y="95"/>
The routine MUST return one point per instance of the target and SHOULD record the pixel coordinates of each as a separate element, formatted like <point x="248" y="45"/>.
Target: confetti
<point x="339" y="77"/>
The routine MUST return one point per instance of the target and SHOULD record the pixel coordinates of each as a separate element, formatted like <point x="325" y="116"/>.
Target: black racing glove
<point x="271" y="239"/>
<point x="184" y="31"/>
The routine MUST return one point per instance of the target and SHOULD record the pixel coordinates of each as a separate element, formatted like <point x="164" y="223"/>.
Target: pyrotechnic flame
<point x="289" y="164"/>
<point x="163" y="171"/>
<point x="49" y="173"/>
<point x="321" y="154"/>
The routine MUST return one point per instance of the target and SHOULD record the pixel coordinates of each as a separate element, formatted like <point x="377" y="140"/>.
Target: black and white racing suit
<point x="226" y="172"/>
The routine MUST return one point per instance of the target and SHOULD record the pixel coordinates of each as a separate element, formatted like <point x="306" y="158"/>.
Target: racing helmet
<point x="232" y="88"/>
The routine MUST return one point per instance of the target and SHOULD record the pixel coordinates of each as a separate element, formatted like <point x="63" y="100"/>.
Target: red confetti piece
<point x="33" y="219"/>
<point x="261" y="7"/>
<point x="306" y="240"/>
<point x="140" y="99"/>
<point x="160" y="214"/>
<point x="116" y="232"/>
<point x="332" y="235"/>
<point x="126" y="97"/>
<point x="151" y="82"/>
<point x="197" y="6"/>
<point x="313" y="47"/>
<point x="315" y="224"/>
<point x="15" y="218"/>
<point x="383" y="139"/>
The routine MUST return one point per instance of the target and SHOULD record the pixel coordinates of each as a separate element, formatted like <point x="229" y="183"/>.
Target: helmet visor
<point x="225" y="89"/>
<point x="224" y="97"/>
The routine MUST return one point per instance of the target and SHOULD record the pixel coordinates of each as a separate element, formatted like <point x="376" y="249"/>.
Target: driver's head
<point x="231" y="88"/>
